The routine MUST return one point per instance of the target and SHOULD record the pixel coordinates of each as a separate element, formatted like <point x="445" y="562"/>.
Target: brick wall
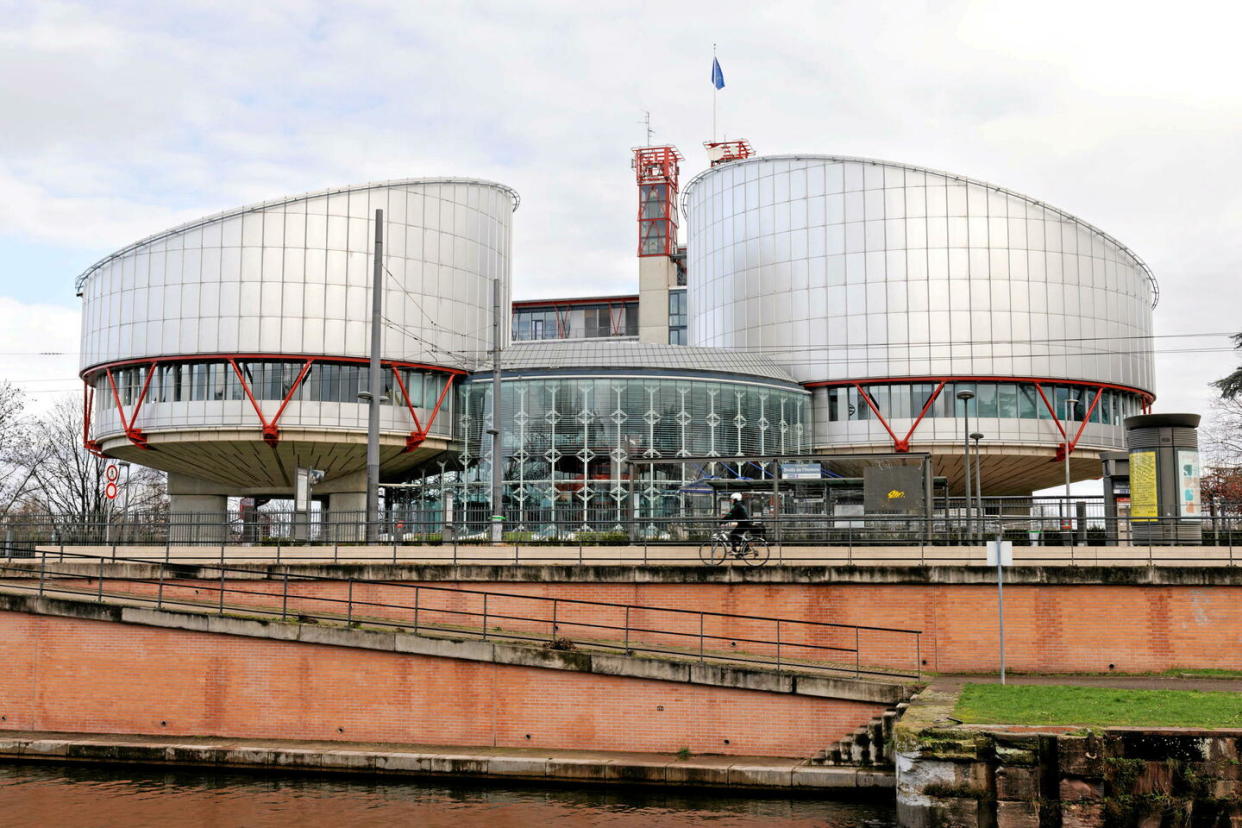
<point x="1048" y="628"/>
<point x="65" y="674"/>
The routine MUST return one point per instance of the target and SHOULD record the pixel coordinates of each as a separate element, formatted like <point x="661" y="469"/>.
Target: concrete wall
<point x="75" y="674"/>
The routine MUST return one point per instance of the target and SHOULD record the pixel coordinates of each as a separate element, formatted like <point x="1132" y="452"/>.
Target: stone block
<point x="877" y="779"/>
<point x="248" y="756"/>
<point x="13" y="747"/>
<point x="807" y="777"/>
<point x="1017" y="815"/>
<point x="1082" y="814"/>
<point x="1155" y="778"/>
<point x="445" y="647"/>
<point x="1081" y="790"/>
<point x="348" y="760"/>
<point x="517" y="766"/>
<point x="634" y="772"/>
<point x="648" y="668"/>
<point x="760" y="776"/>
<point x="1081" y="756"/>
<point x="680" y="773"/>
<point x="722" y="676"/>
<point x="1017" y="783"/>
<point x="594" y="769"/>
<point x="297" y="758"/>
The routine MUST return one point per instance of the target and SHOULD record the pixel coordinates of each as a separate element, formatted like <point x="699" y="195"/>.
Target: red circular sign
<point x="110" y="491"/>
<point x="112" y="472"/>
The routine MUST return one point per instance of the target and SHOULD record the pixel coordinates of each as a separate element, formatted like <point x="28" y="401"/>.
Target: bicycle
<point x="752" y="549"/>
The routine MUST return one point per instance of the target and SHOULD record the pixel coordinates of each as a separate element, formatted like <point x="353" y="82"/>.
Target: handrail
<point x="906" y="639"/>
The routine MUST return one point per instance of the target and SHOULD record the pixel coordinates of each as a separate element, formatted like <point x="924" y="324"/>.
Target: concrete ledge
<point x="1172" y="566"/>
<point x="503" y="652"/>
<point x="744" y="773"/>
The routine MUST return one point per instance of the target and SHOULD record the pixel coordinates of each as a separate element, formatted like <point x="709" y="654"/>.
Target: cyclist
<point x="740" y="518"/>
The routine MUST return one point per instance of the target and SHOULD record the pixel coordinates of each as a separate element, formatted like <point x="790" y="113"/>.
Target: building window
<point x="677" y="317"/>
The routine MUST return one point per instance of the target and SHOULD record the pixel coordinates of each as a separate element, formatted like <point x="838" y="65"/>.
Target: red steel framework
<point x="1067" y="446"/>
<point x="270" y="427"/>
<point x="656" y="169"/>
<point x="722" y="152"/>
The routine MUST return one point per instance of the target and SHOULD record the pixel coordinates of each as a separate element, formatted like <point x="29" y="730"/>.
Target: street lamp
<point x="977" y="436"/>
<point x="966" y="396"/>
<point x="1067" y="523"/>
<point x="124" y="464"/>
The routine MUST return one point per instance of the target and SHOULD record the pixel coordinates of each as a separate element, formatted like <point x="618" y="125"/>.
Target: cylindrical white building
<point x="887" y="289"/>
<point x="230" y="351"/>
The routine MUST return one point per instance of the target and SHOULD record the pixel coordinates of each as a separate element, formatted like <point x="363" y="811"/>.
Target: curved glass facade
<point x="1006" y="400"/>
<point x="566" y="439"/>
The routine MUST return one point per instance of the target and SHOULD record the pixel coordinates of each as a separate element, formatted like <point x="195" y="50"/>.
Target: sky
<point x="125" y="118"/>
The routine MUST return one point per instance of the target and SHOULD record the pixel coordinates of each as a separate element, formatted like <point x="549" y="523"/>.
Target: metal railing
<point x="687" y="635"/>
<point x="1048" y="522"/>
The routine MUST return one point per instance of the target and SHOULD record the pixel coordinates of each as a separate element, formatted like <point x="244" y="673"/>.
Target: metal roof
<point x="586" y="354"/>
<point x="840" y="159"/>
<point x="265" y="205"/>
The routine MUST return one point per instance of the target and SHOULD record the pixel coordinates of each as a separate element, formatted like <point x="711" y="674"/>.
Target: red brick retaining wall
<point x="1048" y="628"/>
<point x="75" y="675"/>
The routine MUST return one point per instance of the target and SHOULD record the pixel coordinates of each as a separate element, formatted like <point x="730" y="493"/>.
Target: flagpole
<point x="715" y="92"/>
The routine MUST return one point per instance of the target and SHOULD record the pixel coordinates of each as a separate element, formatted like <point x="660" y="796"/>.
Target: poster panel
<point x="1188" y="504"/>
<point x="1144" y="494"/>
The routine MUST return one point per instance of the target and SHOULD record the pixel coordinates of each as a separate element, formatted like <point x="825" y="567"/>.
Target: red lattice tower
<point x="656" y="170"/>
<point x="722" y="152"/>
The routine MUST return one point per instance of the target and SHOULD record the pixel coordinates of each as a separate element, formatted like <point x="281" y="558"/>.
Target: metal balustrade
<point x="705" y="637"/>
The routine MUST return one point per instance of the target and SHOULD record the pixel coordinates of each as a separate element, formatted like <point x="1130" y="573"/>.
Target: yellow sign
<point x="1144" y="489"/>
<point x="896" y="494"/>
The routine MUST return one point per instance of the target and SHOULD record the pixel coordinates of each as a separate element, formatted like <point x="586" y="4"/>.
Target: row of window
<point x="992" y="399"/>
<point x="575" y="322"/>
<point x="268" y="380"/>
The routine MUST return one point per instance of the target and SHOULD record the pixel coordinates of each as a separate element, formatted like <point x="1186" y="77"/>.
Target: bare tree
<point x="16" y="468"/>
<point x="69" y="481"/>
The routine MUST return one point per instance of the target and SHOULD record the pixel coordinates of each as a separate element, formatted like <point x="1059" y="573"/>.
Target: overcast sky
<point x="124" y="118"/>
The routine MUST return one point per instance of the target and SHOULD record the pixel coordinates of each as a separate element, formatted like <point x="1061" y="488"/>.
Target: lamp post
<point x="124" y="464"/>
<point x="966" y="396"/>
<point x="977" y="436"/>
<point x="1067" y="523"/>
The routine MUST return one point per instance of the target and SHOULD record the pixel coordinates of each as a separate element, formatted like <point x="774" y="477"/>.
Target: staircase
<point x="870" y="745"/>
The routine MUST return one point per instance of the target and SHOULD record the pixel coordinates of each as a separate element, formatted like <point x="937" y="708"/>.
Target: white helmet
<point x="735" y="496"/>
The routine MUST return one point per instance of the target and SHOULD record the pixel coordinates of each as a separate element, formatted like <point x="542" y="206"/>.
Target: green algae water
<point x="99" y="795"/>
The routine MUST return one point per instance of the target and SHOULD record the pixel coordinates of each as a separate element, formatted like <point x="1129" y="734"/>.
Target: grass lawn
<point x="1041" y="704"/>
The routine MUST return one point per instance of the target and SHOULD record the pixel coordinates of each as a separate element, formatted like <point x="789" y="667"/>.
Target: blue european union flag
<point x="717" y="75"/>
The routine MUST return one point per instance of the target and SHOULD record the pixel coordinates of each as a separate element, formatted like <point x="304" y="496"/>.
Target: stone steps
<point x="870" y="745"/>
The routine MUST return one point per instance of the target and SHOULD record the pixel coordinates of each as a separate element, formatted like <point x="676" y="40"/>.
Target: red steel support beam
<point x="876" y="411"/>
<point x="903" y="445"/>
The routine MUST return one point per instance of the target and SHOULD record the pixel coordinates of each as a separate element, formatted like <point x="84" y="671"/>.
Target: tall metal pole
<point x="1066" y="524"/>
<point x="966" y="397"/>
<point x="376" y="383"/>
<point x="979" y="513"/>
<point x="498" y="512"/>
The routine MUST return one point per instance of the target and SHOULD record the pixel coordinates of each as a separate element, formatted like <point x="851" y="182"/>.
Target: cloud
<point x="144" y="116"/>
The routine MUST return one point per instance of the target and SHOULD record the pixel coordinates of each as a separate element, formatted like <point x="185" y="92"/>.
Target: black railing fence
<point x="868" y="652"/>
<point x="1025" y="521"/>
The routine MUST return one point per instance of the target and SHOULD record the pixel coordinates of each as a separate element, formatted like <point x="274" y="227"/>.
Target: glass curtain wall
<point x="566" y="443"/>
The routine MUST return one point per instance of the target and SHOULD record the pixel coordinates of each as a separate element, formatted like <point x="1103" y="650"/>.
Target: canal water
<point x="92" y="795"/>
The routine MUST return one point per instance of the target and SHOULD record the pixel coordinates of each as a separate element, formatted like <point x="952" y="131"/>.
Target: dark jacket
<point x="738" y="512"/>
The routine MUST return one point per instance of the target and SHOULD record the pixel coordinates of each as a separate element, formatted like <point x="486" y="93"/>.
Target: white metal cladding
<point x="293" y="277"/>
<point x="841" y="268"/>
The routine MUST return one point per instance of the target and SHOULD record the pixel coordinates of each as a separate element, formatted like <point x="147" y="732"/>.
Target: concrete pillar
<point x="347" y="507"/>
<point x="197" y="510"/>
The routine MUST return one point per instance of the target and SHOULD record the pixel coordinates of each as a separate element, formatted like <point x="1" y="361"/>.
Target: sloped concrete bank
<point x="949" y="774"/>
<point x="766" y="774"/>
